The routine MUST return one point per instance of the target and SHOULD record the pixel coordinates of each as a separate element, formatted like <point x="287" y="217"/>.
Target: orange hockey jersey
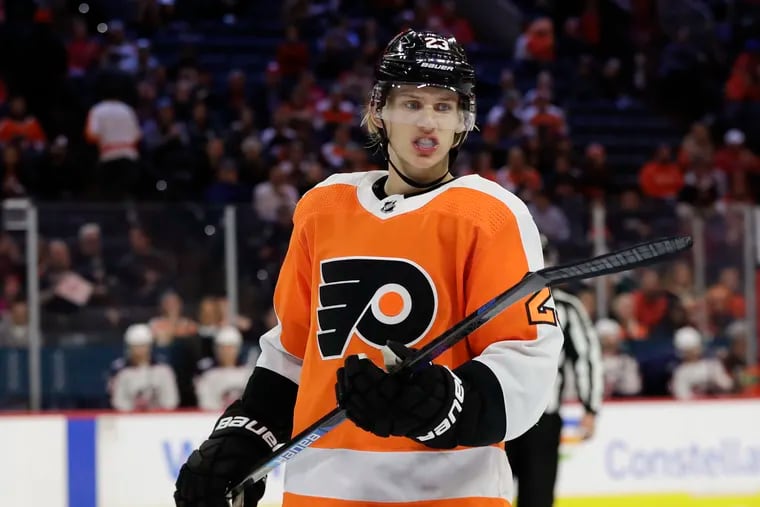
<point x="362" y="269"/>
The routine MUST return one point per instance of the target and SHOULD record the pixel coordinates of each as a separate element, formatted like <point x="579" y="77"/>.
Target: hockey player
<point x="387" y="261"/>
<point x="139" y="381"/>
<point x="222" y="379"/>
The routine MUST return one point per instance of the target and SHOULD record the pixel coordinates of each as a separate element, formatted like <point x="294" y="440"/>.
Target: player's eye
<point x="444" y="107"/>
<point x="412" y="105"/>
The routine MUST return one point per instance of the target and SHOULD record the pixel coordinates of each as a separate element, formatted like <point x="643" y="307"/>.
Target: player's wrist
<point x="440" y="430"/>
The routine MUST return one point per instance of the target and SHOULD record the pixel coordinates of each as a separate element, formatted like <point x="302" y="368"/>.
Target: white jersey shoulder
<point x="479" y="184"/>
<point x="353" y="179"/>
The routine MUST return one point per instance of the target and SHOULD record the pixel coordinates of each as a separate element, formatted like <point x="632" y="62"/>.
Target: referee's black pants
<point x="534" y="457"/>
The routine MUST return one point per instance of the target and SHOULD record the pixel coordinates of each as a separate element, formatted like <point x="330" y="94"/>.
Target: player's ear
<point x="374" y="117"/>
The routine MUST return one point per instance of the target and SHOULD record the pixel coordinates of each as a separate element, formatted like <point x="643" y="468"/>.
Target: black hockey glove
<point x="425" y="406"/>
<point x="222" y="461"/>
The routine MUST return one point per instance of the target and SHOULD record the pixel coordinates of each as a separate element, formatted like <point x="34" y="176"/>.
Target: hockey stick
<point x="622" y="260"/>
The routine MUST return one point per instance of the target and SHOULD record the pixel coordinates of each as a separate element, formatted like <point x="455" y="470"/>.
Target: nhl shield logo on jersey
<point x="388" y="206"/>
<point x="373" y="298"/>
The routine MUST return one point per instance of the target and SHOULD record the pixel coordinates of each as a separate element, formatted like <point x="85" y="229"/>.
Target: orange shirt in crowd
<point x="661" y="180"/>
<point x="28" y="129"/>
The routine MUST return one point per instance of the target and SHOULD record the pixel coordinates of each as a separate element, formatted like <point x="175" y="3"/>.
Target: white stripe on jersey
<point x="345" y="474"/>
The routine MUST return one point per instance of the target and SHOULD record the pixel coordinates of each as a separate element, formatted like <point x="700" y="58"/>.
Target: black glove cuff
<point x="234" y="420"/>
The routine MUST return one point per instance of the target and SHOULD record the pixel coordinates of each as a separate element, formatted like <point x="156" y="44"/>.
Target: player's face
<point x="421" y="124"/>
<point x="227" y="354"/>
<point x="139" y="353"/>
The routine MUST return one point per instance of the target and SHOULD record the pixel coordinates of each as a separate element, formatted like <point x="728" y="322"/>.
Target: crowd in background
<point x="131" y="152"/>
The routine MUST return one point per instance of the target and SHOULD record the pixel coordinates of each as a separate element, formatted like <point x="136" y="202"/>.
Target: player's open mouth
<point x="425" y="145"/>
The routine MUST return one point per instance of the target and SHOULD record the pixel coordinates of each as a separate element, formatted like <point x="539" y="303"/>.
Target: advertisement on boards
<point x="686" y="449"/>
<point x="33" y="467"/>
<point x="139" y="457"/>
<point x="685" y="454"/>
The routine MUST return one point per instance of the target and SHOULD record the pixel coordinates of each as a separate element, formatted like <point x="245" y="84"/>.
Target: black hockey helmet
<point x="426" y="59"/>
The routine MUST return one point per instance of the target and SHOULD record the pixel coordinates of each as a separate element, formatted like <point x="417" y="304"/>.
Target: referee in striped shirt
<point x="534" y="456"/>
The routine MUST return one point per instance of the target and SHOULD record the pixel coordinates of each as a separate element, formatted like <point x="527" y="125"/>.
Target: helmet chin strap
<point x="406" y="179"/>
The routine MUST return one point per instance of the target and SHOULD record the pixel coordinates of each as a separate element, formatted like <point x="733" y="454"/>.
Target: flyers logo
<point x="539" y="312"/>
<point x="374" y="299"/>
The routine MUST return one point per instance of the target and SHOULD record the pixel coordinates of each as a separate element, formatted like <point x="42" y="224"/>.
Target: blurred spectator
<point x="543" y="119"/>
<point x="144" y="271"/>
<point x="14" y="330"/>
<point x="624" y="310"/>
<point x="210" y="317"/>
<point x="596" y="177"/>
<point x="142" y="63"/>
<point x="743" y="84"/>
<point x="254" y="169"/>
<point x="236" y="92"/>
<point x="221" y="380"/>
<point x="696" y="375"/>
<point x="112" y="125"/>
<point x="278" y="134"/>
<point x="13" y="171"/>
<point x="239" y="322"/>
<point x="504" y="120"/>
<point x="292" y="54"/>
<point x="271" y="195"/>
<point x="119" y="51"/>
<point x="453" y="24"/>
<point x="83" y="50"/>
<point x="269" y="246"/>
<point x="334" y="110"/>
<point x="613" y="83"/>
<point x="227" y="189"/>
<point x="728" y="156"/>
<point x="679" y="280"/>
<point x="90" y="263"/>
<point x="334" y="151"/>
<point x="723" y="306"/>
<point x="138" y="380"/>
<point x="62" y="291"/>
<point x="59" y="174"/>
<point x="483" y="165"/>
<point x="11" y="291"/>
<point x="653" y="304"/>
<point x="734" y="358"/>
<point x="621" y="371"/>
<point x="518" y="177"/>
<point x="10" y="256"/>
<point x="628" y="221"/>
<point x="703" y="185"/>
<point x="585" y="86"/>
<point x="171" y="323"/>
<point x="681" y="63"/>
<point x="536" y="43"/>
<point x="661" y="177"/>
<point x="22" y="127"/>
<point x="338" y="49"/>
<point x="167" y="141"/>
<point x="696" y="145"/>
<point x="549" y="218"/>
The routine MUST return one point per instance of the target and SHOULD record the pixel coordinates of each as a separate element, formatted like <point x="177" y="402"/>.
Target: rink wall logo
<point x="725" y="458"/>
<point x="175" y="454"/>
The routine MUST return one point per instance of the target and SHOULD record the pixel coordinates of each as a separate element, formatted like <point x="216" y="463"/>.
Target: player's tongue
<point x="425" y="145"/>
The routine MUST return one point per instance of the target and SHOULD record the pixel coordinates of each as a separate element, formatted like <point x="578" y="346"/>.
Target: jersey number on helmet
<point x="436" y="43"/>
<point x="539" y="312"/>
<point x="376" y="299"/>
